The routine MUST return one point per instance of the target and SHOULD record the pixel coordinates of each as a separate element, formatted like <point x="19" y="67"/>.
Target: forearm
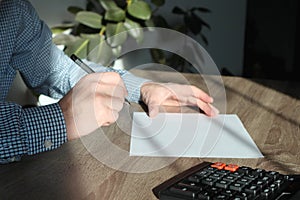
<point x="29" y="131"/>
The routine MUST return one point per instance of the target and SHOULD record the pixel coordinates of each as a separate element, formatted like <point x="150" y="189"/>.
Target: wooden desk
<point x="271" y="117"/>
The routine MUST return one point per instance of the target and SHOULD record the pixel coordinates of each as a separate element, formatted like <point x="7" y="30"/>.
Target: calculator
<point x="215" y="181"/>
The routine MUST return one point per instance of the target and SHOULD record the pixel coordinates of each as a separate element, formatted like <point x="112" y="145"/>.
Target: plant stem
<point x="102" y="30"/>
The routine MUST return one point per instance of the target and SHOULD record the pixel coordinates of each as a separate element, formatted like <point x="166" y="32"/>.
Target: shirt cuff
<point x="133" y="85"/>
<point x="44" y="128"/>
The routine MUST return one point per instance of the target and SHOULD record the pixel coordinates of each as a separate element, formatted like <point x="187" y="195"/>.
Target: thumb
<point x="153" y="110"/>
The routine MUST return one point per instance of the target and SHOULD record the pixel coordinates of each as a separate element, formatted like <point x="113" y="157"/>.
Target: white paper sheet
<point x="191" y="135"/>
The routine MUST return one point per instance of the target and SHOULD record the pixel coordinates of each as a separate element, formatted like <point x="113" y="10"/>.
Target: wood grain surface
<point x="268" y="109"/>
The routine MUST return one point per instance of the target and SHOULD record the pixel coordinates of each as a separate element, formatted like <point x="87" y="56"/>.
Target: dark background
<point x="271" y="48"/>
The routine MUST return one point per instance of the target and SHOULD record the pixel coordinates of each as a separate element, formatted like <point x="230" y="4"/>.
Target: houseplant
<point x="93" y="27"/>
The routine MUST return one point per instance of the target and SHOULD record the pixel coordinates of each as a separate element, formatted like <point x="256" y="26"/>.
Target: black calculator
<point x="215" y="181"/>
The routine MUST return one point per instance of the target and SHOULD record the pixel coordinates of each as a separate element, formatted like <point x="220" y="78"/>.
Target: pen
<point x="85" y="67"/>
<point x="81" y="64"/>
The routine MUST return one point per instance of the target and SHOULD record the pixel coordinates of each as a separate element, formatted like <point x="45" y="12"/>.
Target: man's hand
<point x="93" y="102"/>
<point x="170" y="94"/>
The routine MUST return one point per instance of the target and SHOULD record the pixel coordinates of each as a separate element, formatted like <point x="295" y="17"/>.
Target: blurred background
<point x="256" y="39"/>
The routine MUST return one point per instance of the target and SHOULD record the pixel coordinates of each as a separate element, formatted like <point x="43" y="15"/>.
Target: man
<point x="26" y="46"/>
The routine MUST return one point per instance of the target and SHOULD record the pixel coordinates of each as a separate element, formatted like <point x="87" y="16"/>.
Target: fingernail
<point x="214" y="110"/>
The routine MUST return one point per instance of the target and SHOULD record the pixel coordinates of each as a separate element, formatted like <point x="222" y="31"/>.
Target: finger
<point x="110" y="91"/>
<point x="200" y="94"/>
<point x="215" y="111"/>
<point x="110" y="118"/>
<point x="153" y="110"/>
<point x="116" y="104"/>
<point x="185" y="93"/>
<point x="207" y="108"/>
<point x="113" y="78"/>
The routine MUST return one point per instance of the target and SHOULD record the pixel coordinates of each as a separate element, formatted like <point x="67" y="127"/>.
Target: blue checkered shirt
<point x="26" y="46"/>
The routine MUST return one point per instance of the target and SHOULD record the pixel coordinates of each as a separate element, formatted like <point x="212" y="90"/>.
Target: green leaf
<point x="94" y="40"/>
<point x="140" y="10"/>
<point x="74" y="9"/>
<point x="160" y="21"/>
<point x="177" y="10"/>
<point x="79" y="47"/>
<point x="149" y="23"/>
<point x="158" y="3"/>
<point x="64" y="39"/>
<point x="81" y="51"/>
<point x="134" y="29"/>
<point x="201" y="9"/>
<point x="117" y="51"/>
<point x="98" y="50"/>
<point x="200" y="20"/>
<point x="90" y="19"/>
<point x="61" y="28"/>
<point x="193" y="23"/>
<point x="158" y="56"/>
<point x="108" y="4"/>
<point x="115" y="15"/>
<point x="116" y="34"/>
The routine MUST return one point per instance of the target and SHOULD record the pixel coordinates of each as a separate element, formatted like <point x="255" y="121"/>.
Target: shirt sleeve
<point x="29" y="131"/>
<point x="47" y="70"/>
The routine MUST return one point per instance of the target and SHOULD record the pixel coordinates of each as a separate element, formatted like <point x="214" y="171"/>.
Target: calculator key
<point x="243" y="196"/>
<point x="222" y="184"/>
<point x="216" y="176"/>
<point x="222" y="172"/>
<point x="236" y="187"/>
<point x="208" y="181"/>
<point x="229" y="178"/>
<point x="210" y="169"/>
<point x="203" y="173"/>
<point x="183" y="191"/>
<point x="190" y="186"/>
<point x="279" y="182"/>
<point x="259" y="172"/>
<point x="244" y="169"/>
<point x="267" y="179"/>
<point x="252" y="189"/>
<point x="273" y="175"/>
<point x="251" y="176"/>
<point x="273" y="187"/>
<point x="260" y="183"/>
<point x="228" y="193"/>
<point x="237" y="174"/>
<point x="221" y="197"/>
<point x="218" y="165"/>
<point x="204" y="195"/>
<point x="231" y="167"/>
<point x="195" y="179"/>
<point x="214" y="191"/>
<point x="266" y="192"/>
<point x="244" y="181"/>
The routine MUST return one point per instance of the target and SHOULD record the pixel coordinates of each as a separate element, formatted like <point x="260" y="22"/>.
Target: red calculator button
<point x="218" y="165"/>
<point x="231" y="167"/>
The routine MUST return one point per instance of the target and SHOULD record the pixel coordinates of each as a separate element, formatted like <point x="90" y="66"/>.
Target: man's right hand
<point x="93" y="102"/>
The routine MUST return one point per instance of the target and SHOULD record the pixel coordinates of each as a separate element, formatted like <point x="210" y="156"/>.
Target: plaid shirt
<point x="26" y="46"/>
